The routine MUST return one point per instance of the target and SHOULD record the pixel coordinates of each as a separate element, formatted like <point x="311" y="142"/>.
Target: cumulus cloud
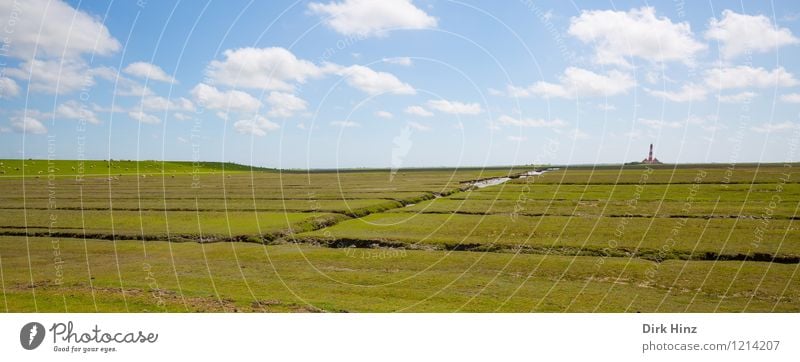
<point x="279" y="70"/>
<point x="181" y="117"/>
<point x="530" y="122"/>
<point x="74" y="110"/>
<point x="344" y="124"/>
<point x="53" y="29"/>
<point x="383" y="114"/>
<point x="687" y="93"/>
<point x="285" y="104"/>
<point x="27" y="124"/>
<point x="741" y="33"/>
<point x="418" y="111"/>
<point x="123" y="86"/>
<point x="775" y="127"/>
<point x="744" y="76"/>
<point x="144" y="117"/>
<point x="404" y="61"/>
<point x="736" y="98"/>
<point x="659" y="123"/>
<point x="577" y="82"/>
<point x="453" y="107"/>
<point x="577" y="134"/>
<point x="272" y="68"/>
<point x="373" y="82"/>
<point x="606" y="107"/>
<point x="8" y="88"/>
<point x="157" y="103"/>
<point x="259" y="126"/>
<point x="418" y="126"/>
<point x="148" y="71"/>
<point x="371" y="18"/>
<point x="212" y="98"/>
<point x="791" y="98"/>
<point x="637" y="33"/>
<point x="54" y="76"/>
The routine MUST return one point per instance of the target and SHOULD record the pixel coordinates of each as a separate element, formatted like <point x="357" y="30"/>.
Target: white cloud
<point x="634" y="134"/>
<point x="606" y="107"/>
<point x="659" y="123"/>
<point x="791" y="98"/>
<point x="775" y="127"/>
<point x="517" y="138"/>
<point x="54" y="76"/>
<point x="404" y="61"/>
<point x="344" y="124"/>
<point x="256" y="127"/>
<point x="285" y="104"/>
<point x="372" y="18"/>
<point x="181" y="117"/>
<point x="577" y="134"/>
<point x="53" y="29"/>
<point x="618" y="35"/>
<point x="745" y="76"/>
<point x="418" y="126"/>
<point x="157" y="103"/>
<point x="8" y="88"/>
<point x="373" y="82"/>
<point x="742" y="33"/>
<point x="74" y="110"/>
<point x="495" y="92"/>
<point x="687" y="93"/>
<point x="530" y="122"/>
<point x="149" y="71"/>
<point x="577" y="82"/>
<point x="262" y="68"/>
<point x="418" y="111"/>
<point x="110" y="109"/>
<point x="210" y="97"/>
<point x="453" y="107"/>
<point x="144" y="117"/>
<point x="383" y="114"/>
<point x="736" y="98"/>
<point x="30" y="125"/>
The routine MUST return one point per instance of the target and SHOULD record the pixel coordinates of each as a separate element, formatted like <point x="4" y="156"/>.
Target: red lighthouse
<point x="650" y="159"/>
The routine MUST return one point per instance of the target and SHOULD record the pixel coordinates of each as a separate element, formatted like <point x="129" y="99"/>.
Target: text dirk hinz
<point x="675" y="328"/>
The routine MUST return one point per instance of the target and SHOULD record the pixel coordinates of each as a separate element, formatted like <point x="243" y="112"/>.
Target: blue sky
<point x="399" y="83"/>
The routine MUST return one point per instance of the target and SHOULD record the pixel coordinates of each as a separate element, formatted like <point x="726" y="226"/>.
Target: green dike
<point x="32" y="168"/>
<point x="158" y="276"/>
<point x="646" y="238"/>
<point x="671" y="174"/>
<point x="171" y="225"/>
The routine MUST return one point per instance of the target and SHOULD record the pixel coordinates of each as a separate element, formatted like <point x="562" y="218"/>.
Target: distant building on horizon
<point x="650" y="160"/>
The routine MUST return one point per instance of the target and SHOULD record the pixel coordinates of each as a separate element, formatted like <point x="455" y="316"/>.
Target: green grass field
<point x="178" y="236"/>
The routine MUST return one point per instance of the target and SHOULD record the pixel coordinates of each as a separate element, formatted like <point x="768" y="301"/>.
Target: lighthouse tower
<point x="650" y="160"/>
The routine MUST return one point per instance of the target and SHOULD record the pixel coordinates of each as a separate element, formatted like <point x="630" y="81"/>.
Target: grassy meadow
<point x="130" y="236"/>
